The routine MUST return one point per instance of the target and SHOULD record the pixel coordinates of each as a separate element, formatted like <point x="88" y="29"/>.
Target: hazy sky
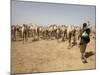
<point x="47" y="13"/>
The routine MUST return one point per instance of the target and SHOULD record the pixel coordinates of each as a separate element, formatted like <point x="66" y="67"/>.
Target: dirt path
<point x="43" y="56"/>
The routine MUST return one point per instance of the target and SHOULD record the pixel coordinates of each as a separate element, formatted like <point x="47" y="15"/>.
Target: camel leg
<point x="69" y="41"/>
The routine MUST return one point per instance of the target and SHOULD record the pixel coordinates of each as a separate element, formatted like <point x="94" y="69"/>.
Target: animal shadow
<point x="88" y="54"/>
<point x="35" y="39"/>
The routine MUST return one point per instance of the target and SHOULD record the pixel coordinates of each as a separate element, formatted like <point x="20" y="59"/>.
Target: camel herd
<point x="52" y="32"/>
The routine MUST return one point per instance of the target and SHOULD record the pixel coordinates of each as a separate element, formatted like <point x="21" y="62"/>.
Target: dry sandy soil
<point x="49" y="55"/>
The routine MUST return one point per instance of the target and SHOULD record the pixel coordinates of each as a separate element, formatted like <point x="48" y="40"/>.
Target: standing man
<point x="84" y="40"/>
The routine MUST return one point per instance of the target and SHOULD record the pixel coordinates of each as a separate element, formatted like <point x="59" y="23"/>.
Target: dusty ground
<point x="44" y="56"/>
